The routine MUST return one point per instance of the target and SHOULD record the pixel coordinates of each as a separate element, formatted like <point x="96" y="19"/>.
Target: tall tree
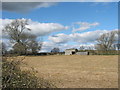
<point x="16" y="29"/>
<point x="18" y="34"/>
<point x="106" y="41"/>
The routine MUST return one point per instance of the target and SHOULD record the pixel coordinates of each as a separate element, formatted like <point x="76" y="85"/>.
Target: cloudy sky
<point x="64" y="24"/>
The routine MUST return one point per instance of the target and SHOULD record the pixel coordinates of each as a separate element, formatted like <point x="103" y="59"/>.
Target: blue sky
<point x="69" y="12"/>
<point x="89" y="19"/>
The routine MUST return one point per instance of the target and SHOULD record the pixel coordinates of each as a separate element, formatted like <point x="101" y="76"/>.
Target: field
<point x="77" y="71"/>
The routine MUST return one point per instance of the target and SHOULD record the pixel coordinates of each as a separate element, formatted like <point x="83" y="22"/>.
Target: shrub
<point x="14" y="77"/>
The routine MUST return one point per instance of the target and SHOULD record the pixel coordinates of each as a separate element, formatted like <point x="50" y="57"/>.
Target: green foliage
<point x="14" y="77"/>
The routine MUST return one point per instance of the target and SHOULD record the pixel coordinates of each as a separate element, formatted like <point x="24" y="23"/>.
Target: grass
<point x="77" y="71"/>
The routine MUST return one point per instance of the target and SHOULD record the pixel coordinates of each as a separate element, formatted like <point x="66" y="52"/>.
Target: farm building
<point x="70" y="51"/>
<point x="75" y="51"/>
<point x="82" y="53"/>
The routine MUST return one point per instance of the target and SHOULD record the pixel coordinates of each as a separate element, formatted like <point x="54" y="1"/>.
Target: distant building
<point x="82" y="53"/>
<point x="75" y="51"/>
<point x="70" y="51"/>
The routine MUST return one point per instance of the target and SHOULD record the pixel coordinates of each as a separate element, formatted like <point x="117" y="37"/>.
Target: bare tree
<point x="16" y="29"/>
<point x="34" y="46"/>
<point x="19" y="48"/>
<point x="82" y="48"/>
<point x="18" y="34"/>
<point x="117" y="46"/>
<point x="90" y="48"/>
<point x="106" y="41"/>
<point x="28" y="45"/>
<point x="55" y="50"/>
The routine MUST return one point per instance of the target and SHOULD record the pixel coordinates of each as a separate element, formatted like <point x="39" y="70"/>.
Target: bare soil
<point x="77" y="71"/>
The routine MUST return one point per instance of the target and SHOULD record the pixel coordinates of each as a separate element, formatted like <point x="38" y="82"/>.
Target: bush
<point x="14" y="77"/>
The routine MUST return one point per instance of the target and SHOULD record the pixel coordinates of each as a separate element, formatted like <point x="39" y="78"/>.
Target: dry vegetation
<point x="77" y="71"/>
<point x="14" y="77"/>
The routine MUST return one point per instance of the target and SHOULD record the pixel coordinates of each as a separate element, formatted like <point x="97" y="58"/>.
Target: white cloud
<point x="23" y="7"/>
<point x="48" y="46"/>
<point x="84" y="26"/>
<point x="4" y="22"/>
<point x="60" y="38"/>
<point x="87" y="37"/>
<point x="7" y="43"/>
<point x="41" y="29"/>
<point x="82" y="38"/>
<point x="37" y="28"/>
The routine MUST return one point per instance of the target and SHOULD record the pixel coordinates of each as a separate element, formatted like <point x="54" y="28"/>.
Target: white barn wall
<point x="69" y="51"/>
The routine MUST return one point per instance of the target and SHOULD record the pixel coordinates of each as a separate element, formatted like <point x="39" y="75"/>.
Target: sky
<point x="64" y="24"/>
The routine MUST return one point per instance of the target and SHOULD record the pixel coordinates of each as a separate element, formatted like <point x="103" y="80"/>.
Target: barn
<point x="70" y="51"/>
<point x="75" y="51"/>
<point x="82" y="53"/>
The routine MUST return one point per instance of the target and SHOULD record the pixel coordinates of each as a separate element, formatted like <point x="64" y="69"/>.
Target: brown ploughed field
<point x="77" y="71"/>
